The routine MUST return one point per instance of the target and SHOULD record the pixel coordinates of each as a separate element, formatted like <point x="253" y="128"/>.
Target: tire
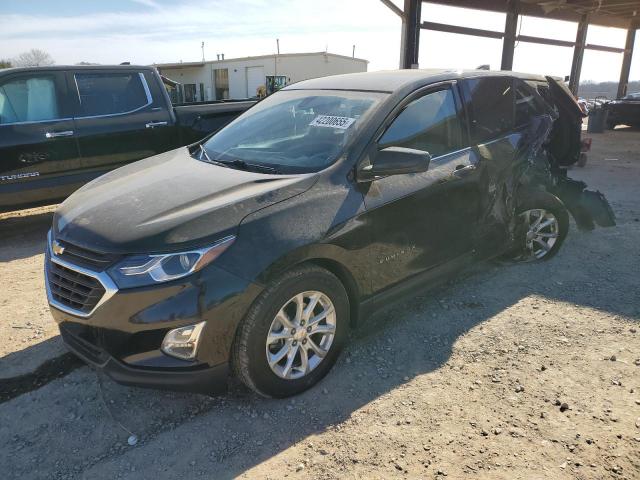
<point x="529" y="211"/>
<point x="611" y="125"/>
<point x="250" y="348"/>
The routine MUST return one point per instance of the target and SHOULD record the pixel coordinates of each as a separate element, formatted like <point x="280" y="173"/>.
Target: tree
<point x="5" y="63"/>
<point x="33" y="58"/>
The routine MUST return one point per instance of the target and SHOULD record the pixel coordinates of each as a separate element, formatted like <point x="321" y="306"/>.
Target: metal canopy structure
<point x="609" y="13"/>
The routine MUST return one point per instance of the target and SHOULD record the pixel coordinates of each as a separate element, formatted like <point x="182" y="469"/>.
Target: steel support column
<point x="578" y="54"/>
<point x="509" y="39"/>
<point x="410" y="42"/>
<point x="626" y="61"/>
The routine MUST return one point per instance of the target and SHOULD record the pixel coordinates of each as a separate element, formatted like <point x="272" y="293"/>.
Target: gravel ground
<point x="513" y="371"/>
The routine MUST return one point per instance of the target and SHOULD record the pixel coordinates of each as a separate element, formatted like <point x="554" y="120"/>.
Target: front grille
<point x="74" y="289"/>
<point x="87" y="258"/>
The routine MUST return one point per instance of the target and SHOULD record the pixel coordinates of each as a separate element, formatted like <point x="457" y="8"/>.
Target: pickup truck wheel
<point x="293" y="334"/>
<point x="543" y="226"/>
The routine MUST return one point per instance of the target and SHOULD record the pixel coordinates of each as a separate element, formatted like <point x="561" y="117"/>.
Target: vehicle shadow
<point x="23" y="370"/>
<point x="24" y="235"/>
<point x="227" y="435"/>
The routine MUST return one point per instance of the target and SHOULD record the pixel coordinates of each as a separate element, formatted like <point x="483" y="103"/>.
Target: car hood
<point x="166" y="203"/>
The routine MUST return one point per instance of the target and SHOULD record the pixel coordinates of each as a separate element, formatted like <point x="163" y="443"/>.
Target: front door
<point x="37" y="139"/>
<point x="425" y="219"/>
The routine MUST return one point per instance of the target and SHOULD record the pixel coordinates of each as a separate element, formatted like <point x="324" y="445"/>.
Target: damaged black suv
<point x="256" y="250"/>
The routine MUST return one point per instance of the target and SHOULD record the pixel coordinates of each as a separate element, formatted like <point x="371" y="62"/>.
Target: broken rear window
<point x="492" y="107"/>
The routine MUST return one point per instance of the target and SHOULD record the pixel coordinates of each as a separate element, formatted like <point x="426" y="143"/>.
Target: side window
<point x="528" y="103"/>
<point x="492" y="105"/>
<point x="429" y="123"/>
<point x="109" y="93"/>
<point x="28" y="99"/>
<point x="543" y="90"/>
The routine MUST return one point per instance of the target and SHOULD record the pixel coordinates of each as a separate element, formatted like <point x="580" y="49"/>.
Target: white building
<point x="243" y="77"/>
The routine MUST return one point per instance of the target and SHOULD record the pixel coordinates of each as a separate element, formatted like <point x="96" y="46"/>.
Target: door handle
<point x="464" y="168"/>
<point x="66" y="133"/>
<point x="156" y="124"/>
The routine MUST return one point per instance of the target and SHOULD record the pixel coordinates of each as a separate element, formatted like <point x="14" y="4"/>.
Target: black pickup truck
<point x="62" y="126"/>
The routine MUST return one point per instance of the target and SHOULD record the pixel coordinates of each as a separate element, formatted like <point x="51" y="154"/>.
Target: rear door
<point x="38" y="149"/>
<point x="120" y="117"/>
<point x="490" y="102"/>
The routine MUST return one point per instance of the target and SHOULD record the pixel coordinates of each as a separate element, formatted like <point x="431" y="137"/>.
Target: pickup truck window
<point x="294" y="131"/>
<point x="111" y="93"/>
<point x="189" y="92"/>
<point x="28" y="99"/>
<point x="429" y="123"/>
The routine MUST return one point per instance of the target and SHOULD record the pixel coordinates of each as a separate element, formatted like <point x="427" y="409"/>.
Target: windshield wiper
<point x="208" y="159"/>
<point x="203" y="153"/>
<point x="236" y="163"/>
<point x="242" y="165"/>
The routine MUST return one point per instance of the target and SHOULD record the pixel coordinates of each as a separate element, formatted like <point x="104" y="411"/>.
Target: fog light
<point x="183" y="342"/>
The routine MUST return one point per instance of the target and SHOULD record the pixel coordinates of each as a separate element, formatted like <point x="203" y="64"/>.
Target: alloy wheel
<point x="301" y="335"/>
<point x="542" y="232"/>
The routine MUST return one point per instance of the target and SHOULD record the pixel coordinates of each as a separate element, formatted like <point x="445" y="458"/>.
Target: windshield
<point x="293" y="131"/>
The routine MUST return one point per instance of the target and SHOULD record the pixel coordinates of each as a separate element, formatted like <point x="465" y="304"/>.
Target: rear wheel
<point x="293" y="333"/>
<point x="543" y="226"/>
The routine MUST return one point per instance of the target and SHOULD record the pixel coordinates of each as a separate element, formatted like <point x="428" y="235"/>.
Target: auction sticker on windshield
<point x="332" y="121"/>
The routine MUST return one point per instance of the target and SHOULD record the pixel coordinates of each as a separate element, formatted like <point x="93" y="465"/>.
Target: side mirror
<point x="395" y="161"/>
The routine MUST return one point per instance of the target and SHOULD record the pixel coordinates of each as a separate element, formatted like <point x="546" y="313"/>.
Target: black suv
<point x="256" y="250"/>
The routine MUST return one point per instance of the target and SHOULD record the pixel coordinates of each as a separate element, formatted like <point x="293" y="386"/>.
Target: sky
<point x="157" y="31"/>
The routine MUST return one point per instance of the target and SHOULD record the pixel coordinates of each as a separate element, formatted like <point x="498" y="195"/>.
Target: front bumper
<point x="123" y="334"/>
<point x="201" y="379"/>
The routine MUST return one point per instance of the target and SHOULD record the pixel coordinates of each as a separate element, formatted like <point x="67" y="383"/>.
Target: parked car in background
<point x="583" y="103"/>
<point x="624" y="111"/>
<point x="257" y="250"/>
<point x="61" y="127"/>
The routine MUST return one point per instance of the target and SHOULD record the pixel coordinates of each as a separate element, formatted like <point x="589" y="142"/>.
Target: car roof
<point x="393" y="80"/>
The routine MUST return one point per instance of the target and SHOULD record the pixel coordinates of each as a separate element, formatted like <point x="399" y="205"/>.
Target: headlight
<point x="141" y="270"/>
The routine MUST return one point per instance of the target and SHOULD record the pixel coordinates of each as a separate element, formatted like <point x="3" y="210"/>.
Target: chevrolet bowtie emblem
<point x="57" y="248"/>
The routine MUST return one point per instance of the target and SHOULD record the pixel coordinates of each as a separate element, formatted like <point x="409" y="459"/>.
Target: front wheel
<point x="293" y="334"/>
<point x="543" y="226"/>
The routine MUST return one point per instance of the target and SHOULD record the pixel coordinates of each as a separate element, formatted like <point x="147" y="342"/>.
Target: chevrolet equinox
<point x="254" y="251"/>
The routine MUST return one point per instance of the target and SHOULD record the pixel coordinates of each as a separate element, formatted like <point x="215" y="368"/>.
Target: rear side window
<point x="111" y="93"/>
<point x="492" y="107"/>
<point x="28" y="99"/>
<point x="528" y="103"/>
<point x="429" y="123"/>
<point x="543" y="90"/>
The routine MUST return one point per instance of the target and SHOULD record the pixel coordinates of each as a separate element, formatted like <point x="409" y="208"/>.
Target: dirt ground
<point x="513" y="371"/>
